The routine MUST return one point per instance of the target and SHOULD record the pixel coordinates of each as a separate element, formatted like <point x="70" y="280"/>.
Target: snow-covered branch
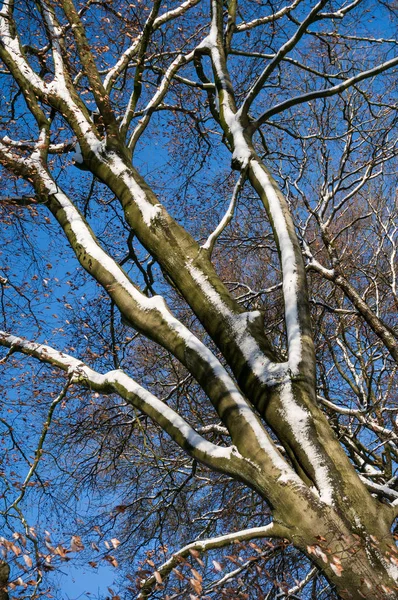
<point x="272" y="530"/>
<point x="244" y="26"/>
<point x="119" y="382"/>
<point x="227" y="218"/>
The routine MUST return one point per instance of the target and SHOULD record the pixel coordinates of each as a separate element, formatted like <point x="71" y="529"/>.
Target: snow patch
<point x="299" y="420"/>
<point x="289" y="268"/>
<point x="77" y="156"/>
<point x="265" y="370"/>
<point x="148" y="210"/>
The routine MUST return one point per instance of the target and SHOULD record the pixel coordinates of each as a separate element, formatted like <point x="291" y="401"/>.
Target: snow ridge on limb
<point x="11" y="52"/>
<point x="307" y="435"/>
<point x="61" y="94"/>
<point x="127" y="388"/>
<point x="265" y="370"/>
<point x="232" y="121"/>
<point x="272" y="530"/>
<point x="244" y="26"/>
<point x="152" y="316"/>
<point x="296" y="415"/>
<point x="225" y="459"/>
<point x="133" y="49"/>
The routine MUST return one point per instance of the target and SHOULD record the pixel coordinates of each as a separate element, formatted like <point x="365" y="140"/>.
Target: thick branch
<point x="224" y="459"/>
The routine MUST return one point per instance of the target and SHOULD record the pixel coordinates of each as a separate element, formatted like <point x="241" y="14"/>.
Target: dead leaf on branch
<point x="76" y="544"/>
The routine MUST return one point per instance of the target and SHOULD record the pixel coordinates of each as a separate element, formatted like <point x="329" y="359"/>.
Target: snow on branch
<point x="269" y="18"/>
<point x="175" y="12"/>
<point x="152" y="316"/>
<point x="132" y="50"/>
<point x="127" y="388"/>
<point x="57" y="93"/>
<point x="12" y="55"/>
<point x="289" y="265"/>
<point x="229" y="116"/>
<point x="273" y="530"/>
<point x="30" y="145"/>
<point x="341" y="12"/>
<point x="227" y="218"/>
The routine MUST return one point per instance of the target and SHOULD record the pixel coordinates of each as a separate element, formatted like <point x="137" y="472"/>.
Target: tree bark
<point x="4" y="574"/>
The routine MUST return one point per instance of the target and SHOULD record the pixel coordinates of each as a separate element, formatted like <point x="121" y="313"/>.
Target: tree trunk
<point x="4" y="574"/>
<point x="347" y="535"/>
<point x="358" y="563"/>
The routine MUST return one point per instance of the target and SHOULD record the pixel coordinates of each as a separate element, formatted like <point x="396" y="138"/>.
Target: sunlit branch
<point x="273" y="530"/>
<point x="227" y="218"/>
<point x="341" y="12"/>
<point x="269" y="18"/>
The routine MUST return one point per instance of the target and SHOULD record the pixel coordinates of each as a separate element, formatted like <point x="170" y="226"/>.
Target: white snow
<point x="299" y="419"/>
<point x="77" y="155"/>
<point x="266" y="371"/>
<point x="12" y="46"/>
<point x="191" y="436"/>
<point x="287" y="474"/>
<point x="391" y="569"/>
<point x="289" y="268"/>
<point x="241" y="153"/>
<point x="85" y="240"/>
<point x="123" y="60"/>
<point x="148" y="210"/>
<point x="58" y="358"/>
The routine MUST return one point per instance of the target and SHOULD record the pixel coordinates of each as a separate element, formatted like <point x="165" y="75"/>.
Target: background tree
<point x="176" y="368"/>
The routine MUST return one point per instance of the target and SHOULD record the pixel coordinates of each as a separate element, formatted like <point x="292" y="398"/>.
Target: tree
<point x="297" y="409"/>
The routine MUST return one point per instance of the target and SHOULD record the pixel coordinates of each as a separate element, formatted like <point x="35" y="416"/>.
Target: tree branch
<point x="325" y="93"/>
<point x="273" y="530"/>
